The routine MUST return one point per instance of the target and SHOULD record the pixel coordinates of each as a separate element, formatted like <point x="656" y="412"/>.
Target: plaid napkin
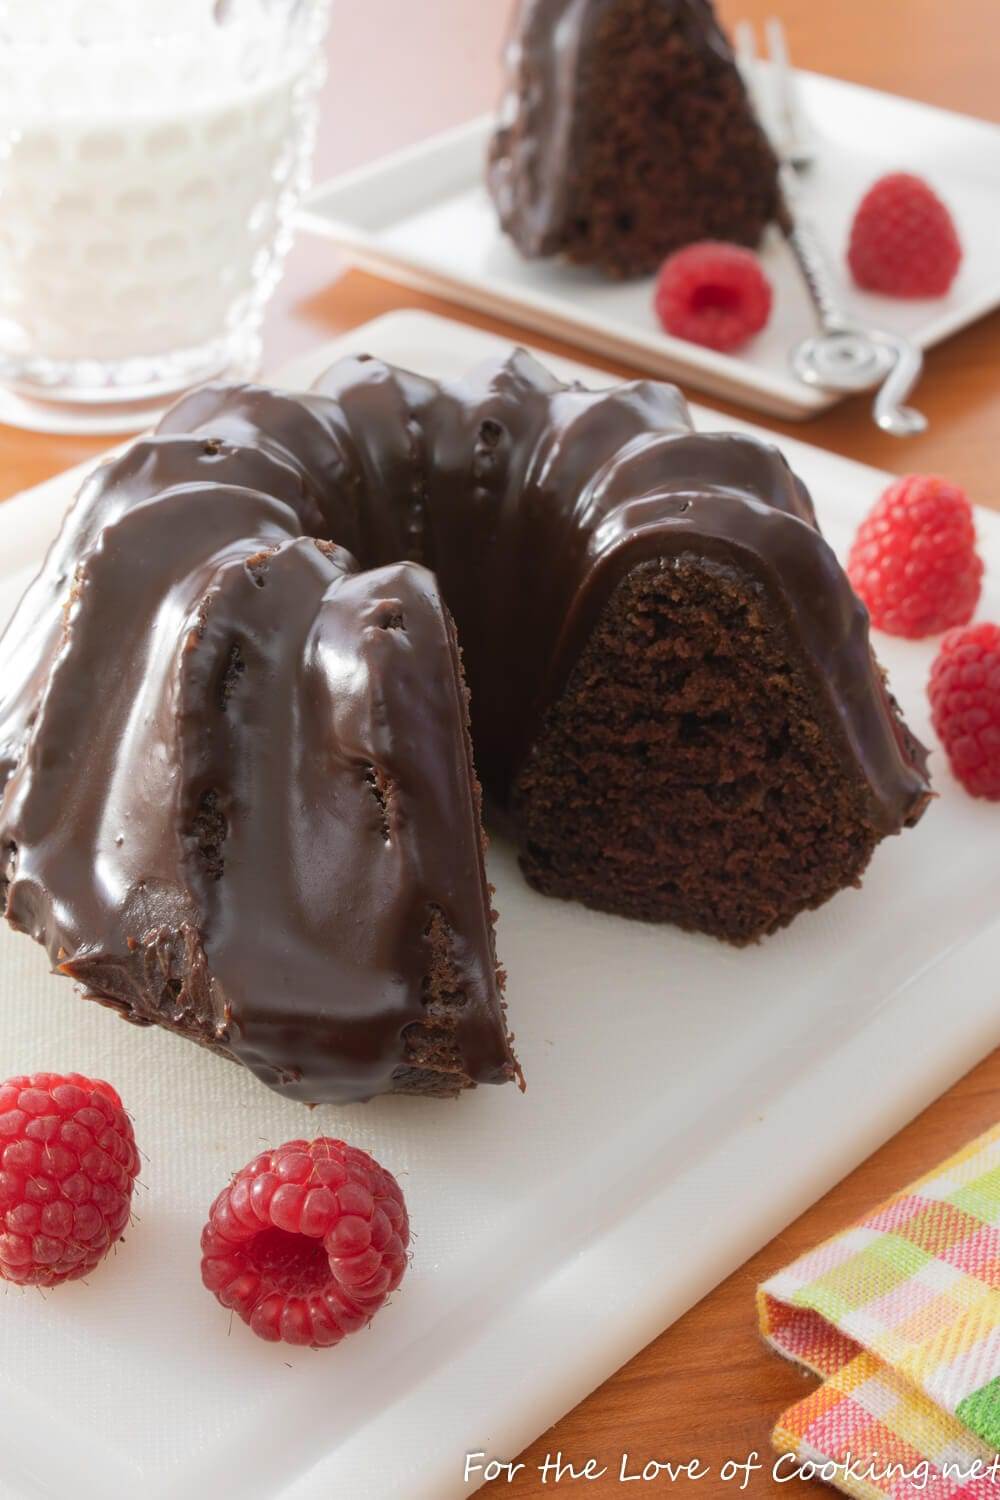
<point x="900" y="1316"/>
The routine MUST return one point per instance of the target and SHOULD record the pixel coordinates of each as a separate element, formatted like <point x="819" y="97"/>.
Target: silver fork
<point x="781" y="111"/>
<point x="844" y="355"/>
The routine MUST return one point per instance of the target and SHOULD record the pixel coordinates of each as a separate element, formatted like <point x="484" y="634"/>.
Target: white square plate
<point x="424" y="218"/>
<point x="684" y="1101"/>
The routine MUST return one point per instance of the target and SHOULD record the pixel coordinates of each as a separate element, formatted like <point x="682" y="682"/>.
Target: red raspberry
<point x="714" y="294"/>
<point x="307" y="1242"/>
<point x="68" y="1162"/>
<point x="903" y="240"/>
<point x="964" y="690"/>
<point x="914" y="561"/>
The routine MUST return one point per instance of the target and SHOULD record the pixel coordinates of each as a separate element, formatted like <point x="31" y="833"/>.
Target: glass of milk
<point x="152" y="155"/>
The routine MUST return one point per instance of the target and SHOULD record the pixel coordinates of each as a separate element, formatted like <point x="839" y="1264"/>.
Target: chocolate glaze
<point x="524" y="496"/>
<point x="543" y="120"/>
<point x="197" y="699"/>
<point x="195" y="827"/>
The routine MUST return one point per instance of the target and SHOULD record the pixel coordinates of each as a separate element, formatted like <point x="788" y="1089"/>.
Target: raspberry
<point x="307" y="1242"/>
<point x="914" y="561"/>
<point x="68" y="1162"/>
<point x="903" y="241"/>
<point x="714" y="294"/>
<point x="964" y="690"/>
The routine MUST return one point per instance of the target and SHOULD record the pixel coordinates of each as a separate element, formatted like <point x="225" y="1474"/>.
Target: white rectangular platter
<point x="423" y="217"/>
<point x="685" y="1100"/>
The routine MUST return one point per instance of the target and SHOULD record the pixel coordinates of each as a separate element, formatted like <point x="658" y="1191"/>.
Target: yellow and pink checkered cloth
<point x="900" y="1316"/>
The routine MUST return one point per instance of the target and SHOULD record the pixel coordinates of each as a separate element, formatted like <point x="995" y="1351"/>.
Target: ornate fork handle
<point x="812" y="263"/>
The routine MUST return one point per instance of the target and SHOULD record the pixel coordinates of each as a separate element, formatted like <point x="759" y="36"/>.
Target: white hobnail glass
<point x="152" y="155"/>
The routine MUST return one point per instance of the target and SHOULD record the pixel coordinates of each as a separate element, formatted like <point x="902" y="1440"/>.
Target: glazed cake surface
<point x="625" y="132"/>
<point x="239" y="798"/>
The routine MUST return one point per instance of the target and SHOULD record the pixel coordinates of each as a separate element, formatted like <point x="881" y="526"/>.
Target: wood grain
<point x="706" y="1387"/>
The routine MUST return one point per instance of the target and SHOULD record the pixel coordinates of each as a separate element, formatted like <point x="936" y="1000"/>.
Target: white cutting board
<point x="685" y="1100"/>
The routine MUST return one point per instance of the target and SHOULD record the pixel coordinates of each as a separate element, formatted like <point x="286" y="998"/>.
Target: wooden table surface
<point x="706" y="1387"/>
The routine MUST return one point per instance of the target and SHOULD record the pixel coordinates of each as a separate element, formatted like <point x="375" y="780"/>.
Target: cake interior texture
<point x="626" y="132"/>
<point x="689" y="772"/>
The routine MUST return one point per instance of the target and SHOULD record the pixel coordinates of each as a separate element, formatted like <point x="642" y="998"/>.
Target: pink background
<point x="403" y="69"/>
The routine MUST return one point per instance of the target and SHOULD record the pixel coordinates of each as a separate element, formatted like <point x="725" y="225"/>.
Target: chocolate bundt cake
<point x="625" y="132"/>
<point x="239" y="798"/>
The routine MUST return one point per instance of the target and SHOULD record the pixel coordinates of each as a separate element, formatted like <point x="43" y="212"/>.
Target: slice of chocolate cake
<point x="695" y="769"/>
<point x="626" y="132"/>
